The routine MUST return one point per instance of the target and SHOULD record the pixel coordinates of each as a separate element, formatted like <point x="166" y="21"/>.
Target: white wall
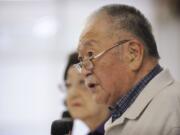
<point x="35" y="38"/>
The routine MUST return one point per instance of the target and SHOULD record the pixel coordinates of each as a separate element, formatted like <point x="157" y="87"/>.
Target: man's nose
<point x="87" y="68"/>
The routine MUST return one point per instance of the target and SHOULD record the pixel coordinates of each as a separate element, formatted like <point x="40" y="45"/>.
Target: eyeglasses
<point x="87" y="63"/>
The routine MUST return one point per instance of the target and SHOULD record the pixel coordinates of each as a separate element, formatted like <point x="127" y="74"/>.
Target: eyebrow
<point x="88" y="43"/>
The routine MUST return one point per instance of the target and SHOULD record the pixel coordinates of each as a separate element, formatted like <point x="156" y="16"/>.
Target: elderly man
<point x="119" y="60"/>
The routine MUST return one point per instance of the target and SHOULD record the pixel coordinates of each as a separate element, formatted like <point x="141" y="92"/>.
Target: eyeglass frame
<point x="80" y="65"/>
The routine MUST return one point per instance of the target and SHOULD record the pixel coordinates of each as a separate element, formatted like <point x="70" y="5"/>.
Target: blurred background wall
<point x="36" y="37"/>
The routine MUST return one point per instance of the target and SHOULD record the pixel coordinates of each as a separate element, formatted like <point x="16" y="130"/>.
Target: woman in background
<point x="80" y="102"/>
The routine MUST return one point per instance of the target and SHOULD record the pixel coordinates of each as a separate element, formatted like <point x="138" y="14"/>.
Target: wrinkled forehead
<point x="98" y="35"/>
<point x="86" y="45"/>
<point x="92" y="40"/>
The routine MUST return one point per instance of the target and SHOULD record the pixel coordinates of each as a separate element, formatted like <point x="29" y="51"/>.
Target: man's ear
<point x="135" y="55"/>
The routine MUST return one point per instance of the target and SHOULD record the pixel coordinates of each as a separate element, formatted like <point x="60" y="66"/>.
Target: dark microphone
<point x="62" y="126"/>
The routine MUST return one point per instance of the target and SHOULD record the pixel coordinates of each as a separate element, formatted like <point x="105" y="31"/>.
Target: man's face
<point x="108" y="77"/>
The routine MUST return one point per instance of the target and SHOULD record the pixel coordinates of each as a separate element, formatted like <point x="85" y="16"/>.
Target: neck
<point x="146" y="67"/>
<point x="95" y="121"/>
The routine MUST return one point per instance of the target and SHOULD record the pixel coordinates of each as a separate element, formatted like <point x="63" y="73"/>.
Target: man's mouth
<point x="91" y="83"/>
<point x="92" y="86"/>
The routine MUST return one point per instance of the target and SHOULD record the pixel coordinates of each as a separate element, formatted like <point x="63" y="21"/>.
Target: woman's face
<point x="79" y="99"/>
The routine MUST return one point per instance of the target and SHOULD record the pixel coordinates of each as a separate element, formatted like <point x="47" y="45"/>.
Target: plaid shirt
<point x="125" y="102"/>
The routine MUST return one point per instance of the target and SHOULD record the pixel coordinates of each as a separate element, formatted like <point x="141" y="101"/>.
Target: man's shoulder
<point x="165" y="84"/>
<point x="170" y="95"/>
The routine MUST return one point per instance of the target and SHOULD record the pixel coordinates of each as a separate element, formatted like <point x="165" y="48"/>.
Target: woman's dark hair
<point x="73" y="59"/>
